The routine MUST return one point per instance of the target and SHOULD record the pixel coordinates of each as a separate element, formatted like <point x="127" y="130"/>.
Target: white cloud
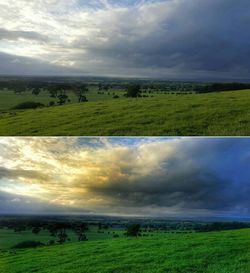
<point x="153" y="38"/>
<point x="74" y="30"/>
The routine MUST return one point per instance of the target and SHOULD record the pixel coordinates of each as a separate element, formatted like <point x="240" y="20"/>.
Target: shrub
<point x="28" y="105"/>
<point x="28" y="244"/>
<point x="51" y="242"/>
<point x="133" y="230"/>
<point x="134" y="91"/>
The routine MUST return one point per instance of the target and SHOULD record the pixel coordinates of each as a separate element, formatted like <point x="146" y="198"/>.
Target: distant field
<point x="9" y="99"/>
<point x="215" y="252"/>
<point x="9" y="238"/>
<point x="214" y="114"/>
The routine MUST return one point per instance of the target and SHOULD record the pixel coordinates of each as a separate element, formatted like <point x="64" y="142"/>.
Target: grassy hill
<point x="216" y="252"/>
<point x="214" y="114"/>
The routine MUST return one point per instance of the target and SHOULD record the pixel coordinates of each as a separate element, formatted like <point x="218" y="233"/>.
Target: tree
<point x="133" y="230"/>
<point x="20" y="88"/>
<point x="51" y="103"/>
<point x="62" y="236"/>
<point x="80" y="230"/>
<point x="36" y="91"/>
<point x="53" y="92"/>
<point x="59" y="230"/>
<point x="106" y="87"/>
<point x="59" y="91"/>
<point x="62" y="97"/>
<point x="80" y="93"/>
<point x="134" y="91"/>
<point x="36" y="230"/>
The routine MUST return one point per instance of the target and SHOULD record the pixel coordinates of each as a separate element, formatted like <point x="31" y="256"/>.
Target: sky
<point x="171" y="39"/>
<point x="153" y="177"/>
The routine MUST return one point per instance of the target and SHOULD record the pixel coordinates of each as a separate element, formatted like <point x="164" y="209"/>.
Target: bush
<point x="116" y="97"/>
<point x="51" y="242"/>
<point x="28" y="244"/>
<point x="28" y="105"/>
<point x="134" y="91"/>
<point x="133" y="230"/>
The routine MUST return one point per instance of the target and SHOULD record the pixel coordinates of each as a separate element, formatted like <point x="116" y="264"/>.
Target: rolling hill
<point x="215" y="252"/>
<point x="214" y="114"/>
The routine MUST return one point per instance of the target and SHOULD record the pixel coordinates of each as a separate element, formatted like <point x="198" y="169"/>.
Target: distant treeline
<point x="221" y="226"/>
<point x="220" y="87"/>
<point x="19" y="224"/>
<point x="20" y="85"/>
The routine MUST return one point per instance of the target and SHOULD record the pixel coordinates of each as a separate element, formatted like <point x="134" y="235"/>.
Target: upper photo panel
<point x="124" y="68"/>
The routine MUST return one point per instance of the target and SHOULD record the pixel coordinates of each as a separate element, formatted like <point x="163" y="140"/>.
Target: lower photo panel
<point x="124" y="205"/>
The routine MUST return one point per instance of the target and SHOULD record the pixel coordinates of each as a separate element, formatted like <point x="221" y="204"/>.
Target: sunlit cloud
<point x="142" y="176"/>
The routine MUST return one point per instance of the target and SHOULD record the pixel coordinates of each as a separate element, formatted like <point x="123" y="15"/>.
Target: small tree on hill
<point x="59" y="91"/>
<point x="59" y="230"/>
<point x="62" y="236"/>
<point x="62" y="97"/>
<point x="80" y="93"/>
<point x="80" y="230"/>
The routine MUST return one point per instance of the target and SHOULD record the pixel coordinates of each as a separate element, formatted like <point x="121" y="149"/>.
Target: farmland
<point x="220" y="114"/>
<point x="8" y="238"/>
<point x="220" y="252"/>
<point x="9" y="99"/>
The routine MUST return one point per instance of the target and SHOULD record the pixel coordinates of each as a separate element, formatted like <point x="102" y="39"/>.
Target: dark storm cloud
<point x="194" y="39"/>
<point x="210" y="175"/>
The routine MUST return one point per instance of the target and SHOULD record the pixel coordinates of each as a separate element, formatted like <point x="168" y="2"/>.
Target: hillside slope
<point x="218" y="252"/>
<point x="219" y="114"/>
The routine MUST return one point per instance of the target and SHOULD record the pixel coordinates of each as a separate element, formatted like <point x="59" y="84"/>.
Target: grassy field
<point x="9" y="99"/>
<point x="214" y="114"/>
<point x="215" y="252"/>
<point x="9" y="238"/>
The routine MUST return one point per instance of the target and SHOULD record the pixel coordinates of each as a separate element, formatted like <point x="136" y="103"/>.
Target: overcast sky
<point x="196" y="39"/>
<point x="120" y="176"/>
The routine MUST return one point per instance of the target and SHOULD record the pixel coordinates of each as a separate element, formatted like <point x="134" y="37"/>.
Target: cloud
<point x="22" y="173"/>
<point x="171" y="38"/>
<point x="180" y="178"/>
<point x="18" y="65"/>
<point x="140" y="176"/>
<point x="15" y="35"/>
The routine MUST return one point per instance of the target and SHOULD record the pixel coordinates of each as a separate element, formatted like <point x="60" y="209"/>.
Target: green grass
<point x="215" y="114"/>
<point x="217" y="252"/>
<point x="9" y="99"/>
<point x="9" y="238"/>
